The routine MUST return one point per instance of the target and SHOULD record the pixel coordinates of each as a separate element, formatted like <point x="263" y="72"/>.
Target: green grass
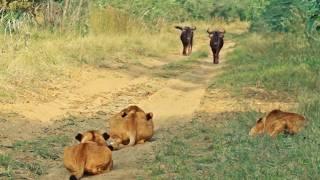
<point x="285" y="64"/>
<point x="47" y="148"/>
<point x="31" y="158"/>
<point x="222" y="149"/>
<point x="10" y="166"/>
<point x="6" y="95"/>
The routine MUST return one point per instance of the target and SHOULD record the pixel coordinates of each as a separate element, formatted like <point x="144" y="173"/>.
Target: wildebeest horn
<point x="179" y="27"/>
<point x="209" y="32"/>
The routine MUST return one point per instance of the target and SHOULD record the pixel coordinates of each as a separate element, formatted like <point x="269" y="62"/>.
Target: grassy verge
<point x="9" y="166"/>
<point x="273" y="62"/>
<point x="31" y="158"/>
<point x="43" y="147"/>
<point x="35" y="57"/>
<point x="51" y="57"/>
<point x="220" y="148"/>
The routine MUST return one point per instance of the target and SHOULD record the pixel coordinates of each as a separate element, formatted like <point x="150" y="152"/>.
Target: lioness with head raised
<point x="278" y="121"/>
<point x="91" y="156"/>
<point x="129" y="127"/>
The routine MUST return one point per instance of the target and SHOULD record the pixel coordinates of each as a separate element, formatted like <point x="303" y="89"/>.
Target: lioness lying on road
<point x="129" y="127"/>
<point x="278" y="121"/>
<point x="91" y="156"/>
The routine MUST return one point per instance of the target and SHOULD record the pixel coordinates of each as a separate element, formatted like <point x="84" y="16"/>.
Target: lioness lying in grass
<point x="277" y="122"/>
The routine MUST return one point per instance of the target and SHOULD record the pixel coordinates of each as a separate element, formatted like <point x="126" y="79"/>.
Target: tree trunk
<point x="79" y="10"/>
<point x="64" y="15"/>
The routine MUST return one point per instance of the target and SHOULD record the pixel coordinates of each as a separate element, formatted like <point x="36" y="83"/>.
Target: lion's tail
<point x="73" y="177"/>
<point x="132" y="127"/>
<point x="78" y="173"/>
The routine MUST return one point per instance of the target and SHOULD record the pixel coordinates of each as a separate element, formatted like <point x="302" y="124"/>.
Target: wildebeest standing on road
<point x="216" y="43"/>
<point x="186" y="38"/>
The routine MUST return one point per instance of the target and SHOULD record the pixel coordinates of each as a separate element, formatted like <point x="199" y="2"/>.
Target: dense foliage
<point x="273" y="15"/>
<point x="183" y="10"/>
<point x="294" y="16"/>
<point x="288" y="15"/>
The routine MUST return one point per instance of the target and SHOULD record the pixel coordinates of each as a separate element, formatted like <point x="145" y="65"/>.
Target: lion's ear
<point x="149" y="116"/>
<point x="79" y="137"/>
<point x="106" y="136"/>
<point x="123" y="114"/>
<point x="110" y="147"/>
<point x="259" y="120"/>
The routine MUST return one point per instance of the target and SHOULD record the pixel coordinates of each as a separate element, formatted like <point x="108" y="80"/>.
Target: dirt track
<point x="171" y="100"/>
<point x="98" y="93"/>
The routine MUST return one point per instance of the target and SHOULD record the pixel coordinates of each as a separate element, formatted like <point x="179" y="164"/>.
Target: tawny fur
<point x="91" y="156"/>
<point x="277" y="122"/>
<point x="130" y="126"/>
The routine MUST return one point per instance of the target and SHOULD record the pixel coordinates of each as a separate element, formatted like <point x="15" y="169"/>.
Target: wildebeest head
<point x="216" y="33"/>
<point x="216" y="43"/>
<point x="186" y="38"/>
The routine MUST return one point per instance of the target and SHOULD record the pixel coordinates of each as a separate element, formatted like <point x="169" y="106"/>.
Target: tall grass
<point x="111" y="20"/>
<point x="32" y="57"/>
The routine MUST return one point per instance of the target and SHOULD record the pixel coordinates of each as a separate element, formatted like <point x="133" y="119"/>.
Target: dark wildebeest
<point x="186" y="38"/>
<point x="216" y="43"/>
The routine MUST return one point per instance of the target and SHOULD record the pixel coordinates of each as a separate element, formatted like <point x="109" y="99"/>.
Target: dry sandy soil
<point x="97" y="93"/>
